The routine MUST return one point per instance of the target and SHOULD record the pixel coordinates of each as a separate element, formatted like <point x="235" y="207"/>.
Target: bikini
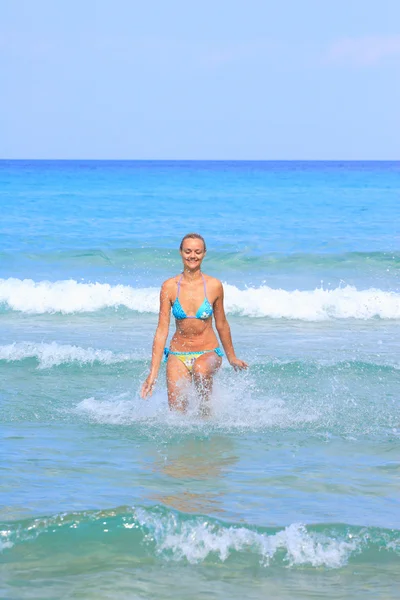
<point x="203" y="313"/>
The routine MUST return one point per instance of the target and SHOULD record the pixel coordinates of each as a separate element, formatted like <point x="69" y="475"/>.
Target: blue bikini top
<point x="203" y="312"/>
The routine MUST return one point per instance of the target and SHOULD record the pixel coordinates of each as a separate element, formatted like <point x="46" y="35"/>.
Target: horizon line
<point x="275" y="160"/>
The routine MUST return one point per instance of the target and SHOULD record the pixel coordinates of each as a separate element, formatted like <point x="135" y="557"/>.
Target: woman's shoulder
<point x="212" y="282"/>
<point x="170" y="284"/>
<point x="210" y="278"/>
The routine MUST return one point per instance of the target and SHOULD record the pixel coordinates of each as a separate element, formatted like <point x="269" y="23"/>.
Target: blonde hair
<point x="193" y="236"/>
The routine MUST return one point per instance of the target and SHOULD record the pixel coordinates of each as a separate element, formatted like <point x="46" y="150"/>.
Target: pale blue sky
<point x="221" y="79"/>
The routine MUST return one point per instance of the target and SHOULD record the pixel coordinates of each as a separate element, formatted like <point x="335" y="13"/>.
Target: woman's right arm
<point x="160" y="339"/>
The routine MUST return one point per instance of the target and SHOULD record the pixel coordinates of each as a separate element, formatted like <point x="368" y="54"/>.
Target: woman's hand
<point x="147" y="387"/>
<point x="237" y="364"/>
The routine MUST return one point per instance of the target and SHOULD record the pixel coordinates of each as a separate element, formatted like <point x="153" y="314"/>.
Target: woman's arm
<point x="224" y="331"/>
<point x="160" y="339"/>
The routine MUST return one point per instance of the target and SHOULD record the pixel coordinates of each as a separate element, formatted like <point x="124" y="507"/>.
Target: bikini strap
<point x="179" y="285"/>
<point x="204" y="284"/>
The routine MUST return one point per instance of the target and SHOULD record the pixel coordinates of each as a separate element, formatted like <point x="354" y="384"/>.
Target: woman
<point x="194" y="353"/>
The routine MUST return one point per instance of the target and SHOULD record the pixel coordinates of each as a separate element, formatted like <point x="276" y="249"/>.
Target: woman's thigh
<point x="204" y="370"/>
<point x="178" y="381"/>
<point x="206" y="366"/>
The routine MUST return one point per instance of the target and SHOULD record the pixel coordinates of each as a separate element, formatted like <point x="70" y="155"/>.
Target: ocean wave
<point x="70" y="296"/>
<point x="52" y="354"/>
<point x="246" y="259"/>
<point x="49" y="355"/>
<point x="164" y="534"/>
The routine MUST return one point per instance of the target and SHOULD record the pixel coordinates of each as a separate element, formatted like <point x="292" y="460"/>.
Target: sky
<point x="216" y="79"/>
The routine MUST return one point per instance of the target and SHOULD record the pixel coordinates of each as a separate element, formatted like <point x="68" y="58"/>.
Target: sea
<point x="291" y="488"/>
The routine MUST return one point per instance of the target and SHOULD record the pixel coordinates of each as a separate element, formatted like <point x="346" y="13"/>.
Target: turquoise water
<point x="290" y="489"/>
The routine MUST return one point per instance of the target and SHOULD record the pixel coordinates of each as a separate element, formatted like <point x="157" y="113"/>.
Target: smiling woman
<point x="194" y="354"/>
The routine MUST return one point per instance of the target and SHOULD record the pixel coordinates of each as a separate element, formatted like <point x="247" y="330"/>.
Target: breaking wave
<point x="168" y="535"/>
<point x="70" y="296"/>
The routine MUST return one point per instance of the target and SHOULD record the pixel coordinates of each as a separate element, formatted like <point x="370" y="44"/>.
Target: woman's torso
<point x="196" y="299"/>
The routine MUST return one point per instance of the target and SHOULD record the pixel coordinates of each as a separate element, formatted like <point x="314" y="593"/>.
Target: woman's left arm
<point x="224" y="331"/>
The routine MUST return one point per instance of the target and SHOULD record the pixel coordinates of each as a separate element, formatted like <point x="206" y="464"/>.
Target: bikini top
<point x="203" y="312"/>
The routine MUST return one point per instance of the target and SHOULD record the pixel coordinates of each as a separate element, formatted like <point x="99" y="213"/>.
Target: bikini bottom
<point x="189" y="358"/>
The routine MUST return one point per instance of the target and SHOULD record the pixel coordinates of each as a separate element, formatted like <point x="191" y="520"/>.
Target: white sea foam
<point x="227" y="410"/>
<point x="197" y="541"/>
<point x="313" y="305"/>
<point x="69" y="296"/>
<point x="308" y="305"/>
<point x="53" y="354"/>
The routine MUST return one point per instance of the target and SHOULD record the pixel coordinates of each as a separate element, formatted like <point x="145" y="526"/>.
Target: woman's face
<point x="192" y="253"/>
